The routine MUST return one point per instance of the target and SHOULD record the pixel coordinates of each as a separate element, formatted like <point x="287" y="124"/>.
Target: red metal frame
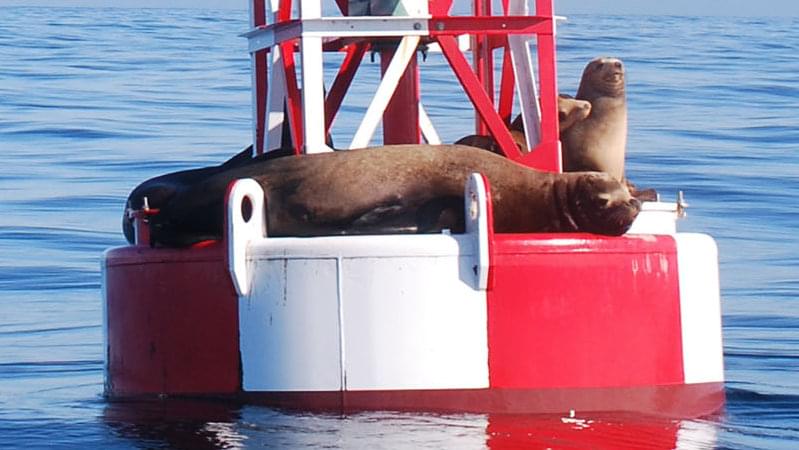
<point x="482" y="102"/>
<point x="259" y="19"/>
<point x="343" y="80"/>
<point x="547" y="155"/>
<point x="506" y="87"/>
<point x="490" y="33"/>
<point x="403" y="106"/>
<point x="482" y="54"/>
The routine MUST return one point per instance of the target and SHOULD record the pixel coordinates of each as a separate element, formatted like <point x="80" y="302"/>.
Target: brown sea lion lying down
<point x="402" y="188"/>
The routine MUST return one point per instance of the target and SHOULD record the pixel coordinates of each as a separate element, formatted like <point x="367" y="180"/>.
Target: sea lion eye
<point x="617" y="64"/>
<point x="599" y="66"/>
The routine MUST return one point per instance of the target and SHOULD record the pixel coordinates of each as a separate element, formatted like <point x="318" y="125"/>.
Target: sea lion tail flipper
<point x="239" y="159"/>
<point x="644" y="195"/>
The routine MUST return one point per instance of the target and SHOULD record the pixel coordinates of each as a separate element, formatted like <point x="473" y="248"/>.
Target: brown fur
<point x="598" y="142"/>
<point x="404" y="188"/>
<point x="570" y="111"/>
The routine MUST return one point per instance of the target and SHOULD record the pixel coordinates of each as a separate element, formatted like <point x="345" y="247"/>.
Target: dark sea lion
<point x="570" y="111"/>
<point x="160" y="190"/>
<point x="597" y="143"/>
<point x="402" y="188"/>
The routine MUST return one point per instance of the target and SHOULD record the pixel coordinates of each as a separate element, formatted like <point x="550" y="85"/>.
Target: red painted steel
<point x="439" y="7"/>
<point x="506" y="87"/>
<point x="350" y="65"/>
<point x="172" y="318"/>
<point x="482" y="56"/>
<point x="284" y="10"/>
<point x="581" y="310"/>
<point x="547" y="155"/>
<point x="488" y="25"/>
<point x="473" y="87"/>
<point x="259" y="19"/>
<point x="401" y="117"/>
<point x="675" y="401"/>
<point x="293" y="99"/>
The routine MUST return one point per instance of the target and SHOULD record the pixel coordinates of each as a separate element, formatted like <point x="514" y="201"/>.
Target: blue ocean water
<point x="93" y="101"/>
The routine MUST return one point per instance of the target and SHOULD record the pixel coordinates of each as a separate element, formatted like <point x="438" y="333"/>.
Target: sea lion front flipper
<point x="441" y="213"/>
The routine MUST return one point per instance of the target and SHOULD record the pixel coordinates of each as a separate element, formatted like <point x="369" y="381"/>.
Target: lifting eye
<point x="246" y="209"/>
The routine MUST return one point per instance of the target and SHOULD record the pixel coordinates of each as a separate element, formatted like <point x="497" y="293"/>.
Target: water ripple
<point x="92" y="101"/>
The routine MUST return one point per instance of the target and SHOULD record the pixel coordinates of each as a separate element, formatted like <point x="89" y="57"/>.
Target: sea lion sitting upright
<point x="402" y="188"/>
<point x="597" y="143"/>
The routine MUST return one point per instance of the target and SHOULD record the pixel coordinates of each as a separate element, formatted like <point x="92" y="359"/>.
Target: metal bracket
<point x="246" y="222"/>
<point x="477" y="217"/>
<point x="682" y="205"/>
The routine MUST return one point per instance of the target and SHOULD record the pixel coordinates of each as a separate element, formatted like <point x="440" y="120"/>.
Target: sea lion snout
<point x="602" y="204"/>
<point x="605" y="74"/>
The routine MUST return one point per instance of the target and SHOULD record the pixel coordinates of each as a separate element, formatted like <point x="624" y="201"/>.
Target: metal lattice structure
<point x="276" y="43"/>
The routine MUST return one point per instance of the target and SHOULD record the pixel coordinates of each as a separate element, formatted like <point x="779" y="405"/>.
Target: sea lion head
<point x="155" y="192"/>
<point x="604" y="76"/>
<point x="571" y="111"/>
<point x="601" y="204"/>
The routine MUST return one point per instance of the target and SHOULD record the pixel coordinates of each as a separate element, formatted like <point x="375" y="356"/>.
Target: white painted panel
<point x="412" y="323"/>
<point x="275" y="101"/>
<point x="700" y="308"/>
<point x="655" y="218"/>
<point x="289" y="330"/>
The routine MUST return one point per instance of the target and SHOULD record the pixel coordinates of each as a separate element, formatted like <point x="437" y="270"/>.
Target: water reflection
<point x="176" y="424"/>
<point x="206" y="424"/>
<point x="595" y="432"/>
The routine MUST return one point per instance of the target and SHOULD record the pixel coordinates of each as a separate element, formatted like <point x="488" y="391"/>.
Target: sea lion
<point x="161" y="189"/>
<point x="597" y="143"/>
<point x="570" y="111"/>
<point x="401" y="188"/>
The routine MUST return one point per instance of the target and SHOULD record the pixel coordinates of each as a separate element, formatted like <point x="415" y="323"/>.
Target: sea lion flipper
<point x="644" y="195"/>
<point x="239" y="159"/>
<point x="441" y="213"/>
<point x="375" y="215"/>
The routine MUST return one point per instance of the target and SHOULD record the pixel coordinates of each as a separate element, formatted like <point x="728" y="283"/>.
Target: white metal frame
<point x="314" y="28"/>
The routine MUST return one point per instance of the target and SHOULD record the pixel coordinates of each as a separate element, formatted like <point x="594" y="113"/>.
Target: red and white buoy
<point x="482" y="322"/>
